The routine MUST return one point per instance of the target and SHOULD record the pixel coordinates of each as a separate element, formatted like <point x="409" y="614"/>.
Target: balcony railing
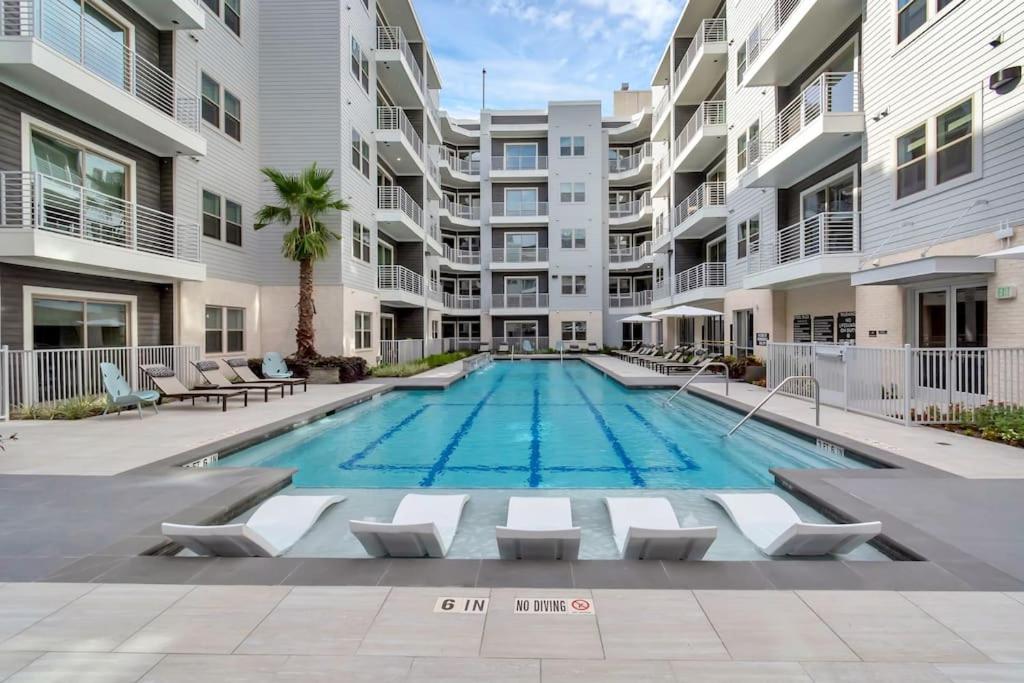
<point x="630" y="209"/>
<point x="632" y="161"/>
<point x="36" y="201"/>
<point x="527" y="163"/>
<point x="393" y="38"/>
<point x="469" y="213"/>
<point x="63" y="27"/>
<point x="662" y="106"/>
<point x="709" y="274"/>
<point x="627" y="254"/>
<point x="394" y="118"/>
<point x="768" y="25"/>
<point x="462" y="256"/>
<point x="831" y="93"/>
<point x="631" y="300"/>
<point x="520" y="344"/>
<point x="392" y="198"/>
<point x="820" y="235"/>
<point x="464" y="165"/>
<point x="400" y="278"/>
<point x="535" y="300"/>
<point x="519" y="255"/>
<point x="711" y="194"/>
<point x="710" y="113"/>
<point x="501" y="209"/>
<point x="710" y="31"/>
<point x="462" y="302"/>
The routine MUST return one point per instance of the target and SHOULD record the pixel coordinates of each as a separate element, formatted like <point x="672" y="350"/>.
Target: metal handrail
<point x="817" y="401"/>
<point x="698" y="374"/>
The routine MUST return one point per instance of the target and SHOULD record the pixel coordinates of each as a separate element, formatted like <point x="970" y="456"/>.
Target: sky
<point x="541" y="50"/>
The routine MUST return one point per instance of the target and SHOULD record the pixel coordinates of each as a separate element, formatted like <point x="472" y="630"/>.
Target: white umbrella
<point x="686" y="312"/>
<point x="1011" y="253"/>
<point x="639" y="319"/>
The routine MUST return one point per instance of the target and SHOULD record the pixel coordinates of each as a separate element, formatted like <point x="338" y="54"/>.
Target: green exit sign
<point x="1007" y="292"/>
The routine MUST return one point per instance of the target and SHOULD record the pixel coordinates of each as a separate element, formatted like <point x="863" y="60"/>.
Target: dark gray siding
<point x="543" y="280"/>
<point x="498" y="324"/>
<point x="789" y="198"/>
<point x="408" y="322"/>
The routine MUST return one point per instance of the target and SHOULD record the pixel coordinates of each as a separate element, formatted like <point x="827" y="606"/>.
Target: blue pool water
<point x="534" y="424"/>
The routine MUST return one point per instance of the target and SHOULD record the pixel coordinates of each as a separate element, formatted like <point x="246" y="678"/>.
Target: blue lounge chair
<point x="527" y="346"/>
<point x="120" y="394"/>
<point x="274" y="366"/>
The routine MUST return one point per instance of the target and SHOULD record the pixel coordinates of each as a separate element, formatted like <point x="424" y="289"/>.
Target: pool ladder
<point x="817" y="400"/>
<point x="698" y="374"/>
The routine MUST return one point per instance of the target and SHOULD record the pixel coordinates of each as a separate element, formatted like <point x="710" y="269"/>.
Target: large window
<point x="364" y="330"/>
<point x="60" y="323"/>
<point x="573" y="285"/>
<point x="217" y="99"/>
<point x="521" y="202"/>
<point x="748" y="236"/>
<point x="360" y="65"/>
<point x="574" y="330"/>
<point x="360" y="241"/>
<point x="521" y="156"/>
<point x="571" y="146"/>
<point x="360" y="153"/>
<point x="911" y="162"/>
<point x="225" y="329"/>
<point x="77" y="165"/>
<point x="954" y="142"/>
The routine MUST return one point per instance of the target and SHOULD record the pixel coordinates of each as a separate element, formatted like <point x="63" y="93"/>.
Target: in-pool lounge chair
<point x="484" y="348"/>
<point x="592" y="347"/>
<point x="538" y="528"/>
<point x="647" y="529"/>
<point x="241" y="370"/>
<point x="774" y="527"/>
<point x="171" y="387"/>
<point x="120" y="394"/>
<point x="503" y="348"/>
<point x="275" y="527"/>
<point x="423" y="526"/>
<point x="574" y="347"/>
<point x="274" y="366"/>
<point x="210" y="370"/>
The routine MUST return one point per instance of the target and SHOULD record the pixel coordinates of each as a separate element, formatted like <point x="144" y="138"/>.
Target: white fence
<point x="46" y="376"/>
<point x="398" y="351"/>
<point x="903" y="384"/>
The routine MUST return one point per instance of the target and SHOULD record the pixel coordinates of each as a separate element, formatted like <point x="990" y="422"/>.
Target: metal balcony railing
<point x="394" y="118"/>
<point x="393" y="38"/>
<point x="710" y="31"/>
<point x="470" y="213"/>
<point x="393" y="198"/>
<point x="534" y="300"/>
<point x="820" y="235"/>
<point x="662" y="107"/>
<point x="464" y="257"/>
<point x="631" y="300"/>
<point x="519" y="210"/>
<point x="519" y="255"/>
<point x="63" y="27"/>
<point x="708" y="274"/>
<point x="462" y="302"/>
<point x="630" y="209"/>
<point x="39" y="202"/>
<point x="711" y="194"/>
<point x="767" y="26"/>
<point x="628" y="254"/>
<point x="464" y="165"/>
<point x="399" y="278"/>
<point x="632" y="161"/>
<point x="709" y="113"/>
<point x="527" y="163"/>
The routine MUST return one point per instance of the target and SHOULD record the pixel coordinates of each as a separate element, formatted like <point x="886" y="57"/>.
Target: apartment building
<point x="865" y="152"/>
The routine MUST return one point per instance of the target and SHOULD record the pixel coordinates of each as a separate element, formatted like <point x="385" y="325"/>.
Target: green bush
<point x="996" y="423"/>
<point x="416" y="367"/>
<point x="70" y="409"/>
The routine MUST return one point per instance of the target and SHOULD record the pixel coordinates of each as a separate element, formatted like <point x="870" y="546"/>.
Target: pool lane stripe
<point x="453" y="443"/>
<point x="671" y="445"/>
<point x="372" y="446"/>
<point x="627" y="462"/>
<point x="535" y="440"/>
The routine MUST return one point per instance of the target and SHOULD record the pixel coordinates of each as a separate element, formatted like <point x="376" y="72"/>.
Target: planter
<point x="325" y="375"/>
<point x="753" y="373"/>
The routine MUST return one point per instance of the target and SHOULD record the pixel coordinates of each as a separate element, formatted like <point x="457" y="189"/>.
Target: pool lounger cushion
<point x="538" y="528"/>
<point x="423" y="526"/>
<point x="774" y="527"/>
<point x="273" y="528"/>
<point x="647" y="529"/>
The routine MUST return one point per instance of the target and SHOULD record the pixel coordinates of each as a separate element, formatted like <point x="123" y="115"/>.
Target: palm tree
<point x="307" y="198"/>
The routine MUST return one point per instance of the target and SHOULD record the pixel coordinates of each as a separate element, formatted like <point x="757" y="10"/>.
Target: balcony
<point x="702" y="139"/>
<point x="462" y="304"/>
<point x="172" y="15"/>
<point x="459" y="215"/>
<point x="634" y="302"/>
<point x="399" y="216"/>
<point x="400" y="287"/>
<point x="630" y="214"/>
<point x="519" y="303"/>
<point x="519" y="258"/>
<point x="53" y="223"/>
<point x="823" y="123"/>
<point x="519" y="168"/>
<point x="699" y="215"/>
<point x="48" y="50"/>
<point x="817" y="249"/>
<point x="398" y="69"/>
<point x="460" y="259"/>
<point x="458" y="171"/>
<point x="398" y="142"/>
<point x="519" y="214"/>
<point x="631" y="257"/>
<point x="703" y="65"/>
<point x="633" y="169"/>
<point x="660" y="120"/>
<point x="702" y="283"/>
<point x="660" y="175"/>
<point x="791" y="34"/>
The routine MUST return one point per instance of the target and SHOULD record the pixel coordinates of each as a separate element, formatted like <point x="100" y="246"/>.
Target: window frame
<point x="577" y="192"/>
<point x="31" y="293"/>
<point x="363" y="317"/>
<point x="237" y="28"/>
<point x="229" y="225"/>
<point x="745" y="239"/>
<point x="223" y="331"/>
<point x="969" y="136"/>
<point x="933" y="14"/>
<point x="574" y="282"/>
<point x="359" y="65"/>
<point x="574" y="149"/>
<point x="219" y="216"/>
<point x="361" y="242"/>
<point x="574" y="330"/>
<point x="228" y="117"/>
<point x="360" y="150"/>
<point x="577" y="239"/>
<point x="923" y="159"/>
<point x="203" y="77"/>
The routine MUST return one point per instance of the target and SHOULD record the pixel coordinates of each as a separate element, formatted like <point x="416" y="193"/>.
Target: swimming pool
<point x="534" y="424"/>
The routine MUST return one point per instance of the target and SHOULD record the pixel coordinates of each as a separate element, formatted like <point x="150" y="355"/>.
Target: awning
<point x="639" y="319"/>
<point x="685" y="312"/>
<point x="1011" y="253"/>
<point x="923" y="270"/>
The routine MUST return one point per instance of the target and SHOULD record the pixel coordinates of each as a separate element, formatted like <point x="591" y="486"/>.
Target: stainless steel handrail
<point x="817" y="401"/>
<point x="696" y="375"/>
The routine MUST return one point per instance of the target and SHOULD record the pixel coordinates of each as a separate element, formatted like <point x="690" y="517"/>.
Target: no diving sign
<point x="554" y="606"/>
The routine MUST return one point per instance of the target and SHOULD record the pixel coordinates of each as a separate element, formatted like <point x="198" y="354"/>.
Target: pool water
<point x="535" y="424"/>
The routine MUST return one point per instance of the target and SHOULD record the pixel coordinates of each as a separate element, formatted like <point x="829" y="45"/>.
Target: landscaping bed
<point x="416" y="367"/>
<point x="992" y="423"/>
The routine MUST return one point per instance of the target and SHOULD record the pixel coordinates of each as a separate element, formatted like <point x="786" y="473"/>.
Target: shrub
<point x="415" y="367"/>
<point x="995" y="423"/>
<point x="738" y="366"/>
<point x="350" y="368"/>
<point x="69" y="409"/>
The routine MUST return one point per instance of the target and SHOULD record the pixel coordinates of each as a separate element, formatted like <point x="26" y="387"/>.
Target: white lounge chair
<point x="275" y="527"/>
<point x="423" y="526"/>
<point x="647" y="529"/>
<point x="538" y="529"/>
<point x="774" y="527"/>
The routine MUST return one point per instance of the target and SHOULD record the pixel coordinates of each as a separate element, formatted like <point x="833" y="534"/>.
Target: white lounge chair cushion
<point x="423" y="526"/>
<point x="647" y="529"/>
<point x="273" y="528"/>
<point x="774" y="527"/>
<point x="538" y="528"/>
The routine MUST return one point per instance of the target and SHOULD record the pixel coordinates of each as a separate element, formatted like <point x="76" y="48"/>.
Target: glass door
<point x="521" y="202"/>
<point x="521" y="156"/>
<point x="387" y="327"/>
<point x="521" y="247"/>
<point x="385" y="254"/>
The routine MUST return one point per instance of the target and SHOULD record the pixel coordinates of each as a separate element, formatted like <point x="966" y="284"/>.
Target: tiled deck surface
<point x="166" y="634"/>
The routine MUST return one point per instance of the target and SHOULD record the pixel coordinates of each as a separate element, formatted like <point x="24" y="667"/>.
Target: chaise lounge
<point x="538" y="528"/>
<point x="240" y="368"/>
<point x="647" y="529"/>
<point x="423" y="526"/>
<point x="171" y="387"/>
<point x="210" y="370"/>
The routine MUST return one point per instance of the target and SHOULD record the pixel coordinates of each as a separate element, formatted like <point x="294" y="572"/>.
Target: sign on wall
<point x="824" y="329"/>
<point x="802" y="328"/>
<point x="762" y="338"/>
<point x="847" y="324"/>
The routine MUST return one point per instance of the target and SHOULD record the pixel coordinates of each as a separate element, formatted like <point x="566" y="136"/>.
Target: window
<point x="360" y="65"/>
<point x="364" y="335"/>
<point x="574" y="238"/>
<point x="76" y="164"/>
<point x="214" y="6"/>
<point x="741" y="62"/>
<point x="360" y="241"/>
<point x="574" y="330"/>
<point x="910" y="16"/>
<point x="435" y="329"/>
<point x="360" y="154"/>
<point x="659" y="276"/>
<point x="573" y="193"/>
<point x="225" y="329"/>
<point x="232" y="116"/>
<point x="211" y="101"/>
<point x="232" y="223"/>
<point x="741" y="152"/>
<point x="78" y="323"/>
<point x="954" y="143"/>
<point x="748" y="237"/>
<point x="911" y="162"/>
<point x="521" y="156"/>
<point x="754" y="142"/>
<point x="571" y="146"/>
<point x="211" y="215"/>
<point x="233" y="15"/>
<point x="521" y="202"/>
<point x="574" y="285"/>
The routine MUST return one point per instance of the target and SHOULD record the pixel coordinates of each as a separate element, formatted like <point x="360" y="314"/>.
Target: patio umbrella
<point x="685" y="312"/>
<point x="1011" y="253"/>
<point x="639" y="319"/>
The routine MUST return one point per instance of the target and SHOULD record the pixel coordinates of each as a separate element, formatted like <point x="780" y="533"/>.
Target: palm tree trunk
<point x="304" y="335"/>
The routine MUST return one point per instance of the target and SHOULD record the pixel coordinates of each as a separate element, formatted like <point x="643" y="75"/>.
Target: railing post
<point x="907" y="383"/>
<point x="5" y="378"/>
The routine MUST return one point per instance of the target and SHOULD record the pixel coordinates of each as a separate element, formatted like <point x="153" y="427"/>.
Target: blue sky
<point x="541" y="50"/>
